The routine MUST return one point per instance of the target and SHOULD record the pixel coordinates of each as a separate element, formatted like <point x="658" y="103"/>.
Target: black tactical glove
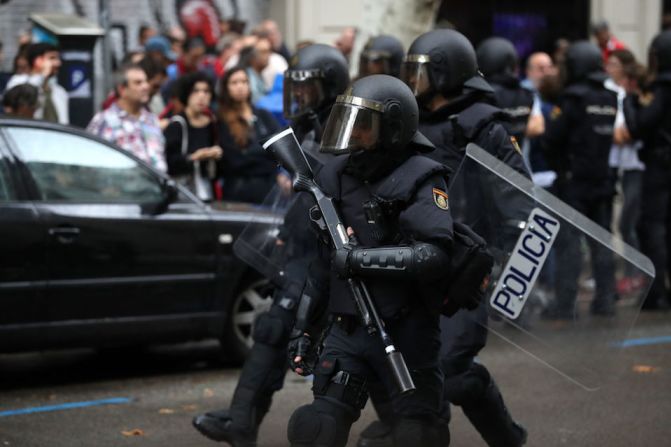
<point x="340" y="260"/>
<point x="301" y="345"/>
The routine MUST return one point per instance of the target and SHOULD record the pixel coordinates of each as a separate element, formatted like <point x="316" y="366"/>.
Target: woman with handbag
<point x="192" y="138"/>
<point x="249" y="172"/>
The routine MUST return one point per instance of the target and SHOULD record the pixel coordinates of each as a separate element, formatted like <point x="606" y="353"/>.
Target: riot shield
<point x="544" y="297"/>
<point x="278" y="243"/>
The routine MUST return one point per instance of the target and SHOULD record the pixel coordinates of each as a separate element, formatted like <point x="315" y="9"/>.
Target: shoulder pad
<point x="474" y="118"/>
<point x="404" y="181"/>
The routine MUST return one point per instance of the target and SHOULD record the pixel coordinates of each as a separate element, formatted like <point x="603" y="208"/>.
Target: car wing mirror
<point x="169" y="195"/>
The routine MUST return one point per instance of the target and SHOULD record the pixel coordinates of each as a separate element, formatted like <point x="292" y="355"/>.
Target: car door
<point x="111" y="258"/>
<point x="23" y="270"/>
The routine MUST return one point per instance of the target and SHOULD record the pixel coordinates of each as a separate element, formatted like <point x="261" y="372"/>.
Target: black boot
<point x="490" y="416"/>
<point x="218" y="426"/>
<point x="379" y="433"/>
<point x="262" y="375"/>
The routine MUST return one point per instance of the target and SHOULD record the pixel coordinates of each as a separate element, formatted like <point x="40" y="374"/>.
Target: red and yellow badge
<point x="516" y="145"/>
<point x="555" y="113"/>
<point x="646" y="99"/>
<point x="440" y="198"/>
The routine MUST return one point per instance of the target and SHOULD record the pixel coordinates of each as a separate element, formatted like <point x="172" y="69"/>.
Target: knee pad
<point x="309" y="427"/>
<point x="271" y="329"/>
<point x="320" y="424"/>
<point x="467" y="387"/>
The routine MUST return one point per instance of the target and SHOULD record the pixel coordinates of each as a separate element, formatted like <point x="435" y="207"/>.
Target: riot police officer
<point x="498" y="62"/>
<point x="375" y="124"/>
<point x="317" y="74"/>
<point x="577" y="140"/>
<point x="441" y="68"/>
<point x="648" y="117"/>
<point x="381" y="55"/>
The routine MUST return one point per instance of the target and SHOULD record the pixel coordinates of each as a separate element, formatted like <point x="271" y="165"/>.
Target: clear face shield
<point x="415" y="73"/>
<point x="374" y="62"/>
<point x="303" y="92"/>
<point x="353" y="125"/>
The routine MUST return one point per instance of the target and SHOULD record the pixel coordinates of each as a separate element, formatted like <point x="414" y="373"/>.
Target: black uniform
<point x="498" y="60"/>
<point x="578" y="139"/>
<point x="453" y="126"/>
<point x="265" y="368"/>
<point x="516" y="101"/>
<point x="349" y="348"/>
<point x="375" y="123"/>
<point x="266" y="365"/>
<point x="467" y="118"/>
<point x="465" y="334"/>
<point x="652" y="124"/>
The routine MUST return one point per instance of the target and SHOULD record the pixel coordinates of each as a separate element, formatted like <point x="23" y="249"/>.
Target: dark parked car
<point x="98" y="249"/>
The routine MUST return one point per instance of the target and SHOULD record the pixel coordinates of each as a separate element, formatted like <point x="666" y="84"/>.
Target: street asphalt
<point x="148" y="397"/>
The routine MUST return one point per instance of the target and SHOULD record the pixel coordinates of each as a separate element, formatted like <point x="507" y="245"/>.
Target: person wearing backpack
<point x="192" y="143"/>
<point x="441" y="69"/>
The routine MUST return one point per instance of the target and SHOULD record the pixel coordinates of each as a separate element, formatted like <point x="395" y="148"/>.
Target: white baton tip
<point x="279" y="136"/>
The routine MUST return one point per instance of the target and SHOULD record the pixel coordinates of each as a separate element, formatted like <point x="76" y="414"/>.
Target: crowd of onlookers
<point x="195" y="112"/>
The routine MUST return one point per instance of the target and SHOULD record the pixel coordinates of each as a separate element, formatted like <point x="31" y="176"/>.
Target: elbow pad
<point x="417" y="261"/>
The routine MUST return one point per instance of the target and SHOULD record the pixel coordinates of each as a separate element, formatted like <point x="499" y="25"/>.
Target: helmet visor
<point x="353" y="125"/>
<point x="303" y="92"/>
<point x="415" y="73"/>
<point x="374" y="62"/>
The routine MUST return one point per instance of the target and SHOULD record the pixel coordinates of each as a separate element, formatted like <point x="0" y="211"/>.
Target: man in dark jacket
<point x="577" y="141"/>
<point x="648" y="118"/>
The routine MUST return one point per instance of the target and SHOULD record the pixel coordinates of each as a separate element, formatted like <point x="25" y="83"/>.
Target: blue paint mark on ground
<point x="646" y="341"/>
<point x="66" y="406"/>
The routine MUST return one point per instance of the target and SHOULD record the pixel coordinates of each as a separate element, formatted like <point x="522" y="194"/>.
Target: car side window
<point x="72" y="168"/>
<point x="7" y="192"/>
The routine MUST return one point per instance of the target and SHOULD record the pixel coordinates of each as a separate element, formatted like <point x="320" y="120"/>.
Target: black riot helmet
<point x="381" y="55"/>
<point x="660" y="52"/>
<point x="497" y="56"/>
<point x="442" y="61"/>
<point x="583" y="60"/>
<point x="376" y="122"/>
<point x="316" y="75"/>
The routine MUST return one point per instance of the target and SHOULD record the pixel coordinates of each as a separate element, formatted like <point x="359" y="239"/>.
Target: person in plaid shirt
<point x="128" y="123"/>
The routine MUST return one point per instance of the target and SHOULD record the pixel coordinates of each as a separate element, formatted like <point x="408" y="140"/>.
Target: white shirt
<point x="59" y="96"/>
<point x="623" y="156"/>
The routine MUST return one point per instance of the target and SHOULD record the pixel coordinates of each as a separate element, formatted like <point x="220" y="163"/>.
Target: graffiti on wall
<point x="200" y="18"/>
